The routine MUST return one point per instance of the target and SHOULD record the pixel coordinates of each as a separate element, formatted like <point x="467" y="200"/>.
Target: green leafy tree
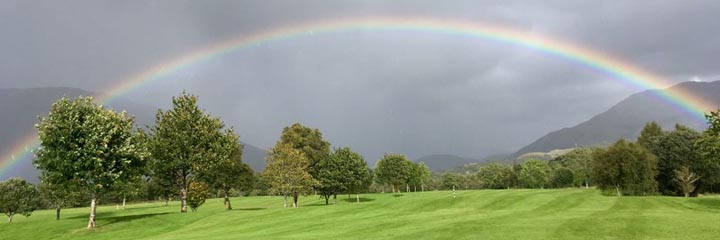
<point x="18" y="197"/>
<point x="627" y="167"/>
<point x="395" y="170"/>
<point x="562" y="177"/>
<point x="310" y="142"/>
<point x="59" y="196"/>
<point x="423" y="175"/>
<point x="226" y="171"/>
<point x="708" y="166"/>
<point x="182" y="143"/>
<point x="579" y="161"/>
<point x="343" y="171"/>
<point x="495" y="176"/>
<point x="675" y="150"/>
<point x="534" y="174"/>
<point x="650" y="134"/>
<point x="287" y="172"/>
<point x="84" y="144"/>
<point x="198" y="192"/>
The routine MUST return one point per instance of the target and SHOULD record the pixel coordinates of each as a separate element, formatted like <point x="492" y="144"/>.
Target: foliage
<point x="197" y="194"/>
<point x="343" y="171"/>
<point x="495" y="176"/>
<point x="674" y="150"/>
<point x="649" y="135"/>
<point x="185" y="142"/>
<point x="18" y="197"/>
<point x="83" y="144"/>
<point x="309" y="141"/>
<point x="562" y="177"/>
<point x="685" y="180"/>
<point x="286" y="171"/>
<point x="422" y="175"/>
<point x="627" y="167"/>
<point x="394" y="169"/>
<point x="708" y="166"/>
<point x="226" y="171"/>
<point x="578" y="161"/>
<point x="534" y="174"/>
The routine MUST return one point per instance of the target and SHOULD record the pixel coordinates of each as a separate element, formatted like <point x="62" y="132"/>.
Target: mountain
<point x="627" y="118"/>
<point x="20" y="108"/>
<point x="438" y="162"/>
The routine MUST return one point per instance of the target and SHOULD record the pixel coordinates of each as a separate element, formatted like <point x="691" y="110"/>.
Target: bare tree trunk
<point x="295" y="199"/>
<point x="415" y="189"/>
<point x="123" y="202"/>
<point x="166" y="201"/>
<point x="586" y="185"/>
<point x="10" y="216"/>
<point x="227" y="201"/>
<point x="93" y="208"/>
<point x="183" y="201"/>
<point x="617" y="189"/>
<point x="357" y="196"/>
<point x="422" y="187"/>
<point x="407" y="188"/>
<point x="335" y="199"/>
<point x="285" y="197"/>
<point x="57" y="213"/>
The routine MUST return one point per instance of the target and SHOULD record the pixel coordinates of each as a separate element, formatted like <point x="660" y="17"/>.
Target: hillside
<point x="20" y="108"/>
<point x="487" y="214"/>
<point x="438" y="162"/>
<point x="626" y="119"/>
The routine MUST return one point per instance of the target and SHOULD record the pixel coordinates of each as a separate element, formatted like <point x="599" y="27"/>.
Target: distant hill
<point x="20" y="108"/>
<point x="626" y="119"/>
<point x="438" y="162"/>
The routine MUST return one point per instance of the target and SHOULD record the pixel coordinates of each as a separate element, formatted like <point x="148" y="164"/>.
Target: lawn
<point x="486" y="214"/>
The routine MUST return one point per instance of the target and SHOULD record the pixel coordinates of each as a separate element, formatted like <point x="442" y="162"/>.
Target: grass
<point x="487" y="214"/>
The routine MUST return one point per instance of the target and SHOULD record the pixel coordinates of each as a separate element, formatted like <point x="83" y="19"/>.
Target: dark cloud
<point x="376" y="91"/>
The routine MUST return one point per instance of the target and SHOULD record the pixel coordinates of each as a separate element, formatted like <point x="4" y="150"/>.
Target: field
<point x="487" y="214"/>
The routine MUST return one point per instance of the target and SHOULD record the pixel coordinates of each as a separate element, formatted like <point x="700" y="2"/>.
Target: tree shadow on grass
<point x="398" y="195"/>
<point x="127" y="218"/>
<point x="362" y="199"/>
<point x="248" y="209"/>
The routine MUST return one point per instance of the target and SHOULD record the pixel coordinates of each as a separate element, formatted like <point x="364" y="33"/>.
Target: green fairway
<point x="487" y="214"/>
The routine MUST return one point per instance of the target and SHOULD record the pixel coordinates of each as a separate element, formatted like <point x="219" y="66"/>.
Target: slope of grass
<point x="488" y="214"/>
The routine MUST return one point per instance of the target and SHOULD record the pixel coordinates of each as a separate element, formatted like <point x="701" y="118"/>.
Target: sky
<point x="377" y="92"/>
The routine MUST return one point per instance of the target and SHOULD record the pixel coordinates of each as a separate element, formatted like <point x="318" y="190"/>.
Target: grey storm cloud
<point x="375" y="91"/>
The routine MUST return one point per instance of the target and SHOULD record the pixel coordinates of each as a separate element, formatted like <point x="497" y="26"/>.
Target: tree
<point x="227" y="171"/>
<point x="182" y="142"/>
<point x="675" y="150"/>
<point x="57" y="195"/>
<point x="627" y="167"/>
<point x="18" y="196"/>
<point x="495" y="176"/>
<point x="287" y="172"/>
<point x="452" y="181"/>
<point x="198" y="192"/>
<point x="708" y="166"/>
<point x="686" y="180"/>
<point x="393" y="169"/>
<point x="578" y="161"/>
<point x="534" y="174"/>
<point x="650" y="134"/>
<point x="86" y="145"/>
<point x="309" y="141"/>
<point x="423" y="175"/>
<point x="562" y="177"/>
<point x="343" y="171"/>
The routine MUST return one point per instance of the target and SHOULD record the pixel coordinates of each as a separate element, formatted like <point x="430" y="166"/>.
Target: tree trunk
<point x="166" y="201"/>
<point x="617" y="189"/>
<point x="57" y="213"/>
<point x="335" y="199"/>
<point x="93" y="208"/>
<point x="295" y="199"/>
<point x="183" y="201"/>
<point x="10" y="216"/>
<point x="285" y="197"/>
<point x="422" y="188"/>
<point x="357" y="196"/>
<point x="327" y="198"/>
<point x="586" y="185"/>
<point x="227" y="201"/>
<point x="407" y="188"/>
<point x="123" y="202"/>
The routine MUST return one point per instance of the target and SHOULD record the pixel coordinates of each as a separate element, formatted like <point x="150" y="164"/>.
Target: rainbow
<point x="594" y="60"/>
